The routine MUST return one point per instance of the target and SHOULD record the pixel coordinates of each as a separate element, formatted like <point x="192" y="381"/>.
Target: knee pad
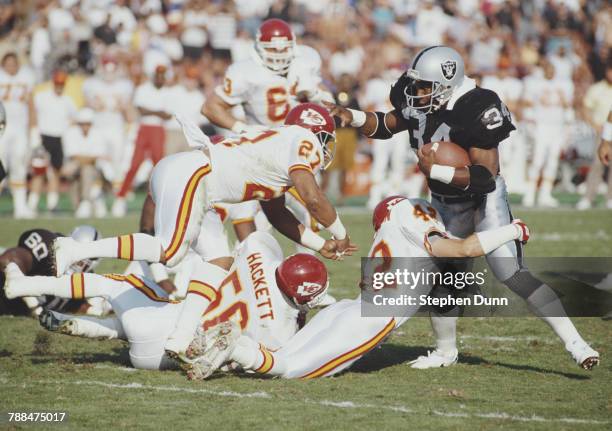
<point x="523" y="283"/>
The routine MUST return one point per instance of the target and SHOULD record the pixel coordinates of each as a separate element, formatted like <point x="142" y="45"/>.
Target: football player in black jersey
<point x="435" y="101"/>
<point x="33" y="256"/>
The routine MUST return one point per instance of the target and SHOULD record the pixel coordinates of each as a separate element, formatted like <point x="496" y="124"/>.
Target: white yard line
<point x="517" y="339"/>
<point x="323" y="403"/>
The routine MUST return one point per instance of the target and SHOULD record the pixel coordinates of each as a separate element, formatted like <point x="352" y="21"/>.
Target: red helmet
<point x="316" y="119"/>
<point x="302" y="278"/>
<point x="275" y="44"/>
<point x="383" y="210"/>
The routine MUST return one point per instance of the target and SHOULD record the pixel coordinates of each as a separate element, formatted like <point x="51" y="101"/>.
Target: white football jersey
<point x="404" y="233"/>
<point x="107" y="98"/>
<point x="509" y="89"/>
<point x="256" y="166"/>
<point x="15" y="91"/>
<point x="267" y="97"/>
<point x="547" y="96"/>
<point x="249" y="295"/>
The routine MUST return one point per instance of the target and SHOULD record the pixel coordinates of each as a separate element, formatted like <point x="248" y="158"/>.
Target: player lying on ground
<point x="338" y="335"/>
<point x="435" y="101"/>
<point x="33" y="257"/>
<point x="266" y="294"/>
<point x="250" y="167"/>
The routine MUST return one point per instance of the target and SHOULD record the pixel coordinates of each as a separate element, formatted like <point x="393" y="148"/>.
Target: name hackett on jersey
<point x="474" y="117"/>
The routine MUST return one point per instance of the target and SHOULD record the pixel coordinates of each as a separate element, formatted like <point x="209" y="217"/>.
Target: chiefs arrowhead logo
<point x="312" y="118"/>
<point x="309" y="289"/>
<point x="449" y="69"/>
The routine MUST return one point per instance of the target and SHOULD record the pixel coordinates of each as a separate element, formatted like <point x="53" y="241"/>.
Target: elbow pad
<point x="381" y="132"/>
<point x="481" y="180"/>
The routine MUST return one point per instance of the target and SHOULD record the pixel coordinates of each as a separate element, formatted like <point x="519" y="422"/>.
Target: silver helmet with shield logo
<point x="434" y="74"/>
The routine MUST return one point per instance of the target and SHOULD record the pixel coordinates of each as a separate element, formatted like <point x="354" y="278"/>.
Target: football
<point x="448" y="154"/>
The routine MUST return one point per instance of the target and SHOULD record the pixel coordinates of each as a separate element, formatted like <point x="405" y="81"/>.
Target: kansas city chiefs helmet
<point x="275" y="45"/>
<point x="316" y="119"/>
<point x="383" y="210"/>
<point x="303" y="280"/>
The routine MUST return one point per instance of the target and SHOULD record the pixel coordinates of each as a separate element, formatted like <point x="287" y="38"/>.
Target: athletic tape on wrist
<point x="442" y="173"/>
<point x="337" y="229"/>
<point x="359" y="118"/>
<point x="311" y="240"/>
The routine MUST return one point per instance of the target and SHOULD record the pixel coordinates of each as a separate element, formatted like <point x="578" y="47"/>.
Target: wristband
<point x="337" y="229"/>
<point x="442" y="173"/>
<point x="311" y="240"/>
<point x="359" y="117"/>
<point x="495" y="238"/>
<point x="606" y="133"/>
<point x="238" y="127"/>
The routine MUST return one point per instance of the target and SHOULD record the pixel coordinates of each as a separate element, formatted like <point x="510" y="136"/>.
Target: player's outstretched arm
<point x="480" y="243"/>
<point x="321" y="209"/>
<point x="285" y="222"/>
<point x="377" y="125"/>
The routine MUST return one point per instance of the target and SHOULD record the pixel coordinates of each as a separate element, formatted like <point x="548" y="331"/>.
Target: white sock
<point x="247" y="353"/>
<point x="52" y="200"/>
<point x="545" y="303"/>
<point x="75" y="286"/>
<point x="200" y="294"/>
<point x="445" y="331"/>
<point x="137" y="246"/>
<point x="19" y="197"/>
<point x="546" y="187"/>
<point x="33" y="199"/>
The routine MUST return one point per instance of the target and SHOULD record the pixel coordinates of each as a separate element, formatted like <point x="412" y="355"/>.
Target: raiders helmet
<point x="303" y="280"/>
<point x="275" y="45"/>
<point x="316" y="119"/>
<point x="439" y="70"/>
<point x="85" y="233"/>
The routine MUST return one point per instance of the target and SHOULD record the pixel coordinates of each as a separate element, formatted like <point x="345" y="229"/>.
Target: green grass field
<point x="512" y="373"/>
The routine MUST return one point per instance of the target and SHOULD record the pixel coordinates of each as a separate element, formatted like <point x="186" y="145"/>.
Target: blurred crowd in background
<point x="90" y="60"/>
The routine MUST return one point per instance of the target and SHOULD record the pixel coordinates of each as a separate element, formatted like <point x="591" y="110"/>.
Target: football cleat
<point x="13" y="276"/>
<point x="49" y="320"/>
<point x="221" y="342"/>
<point x="583" y="354"/>
<point x="62" y="258"/>
<point x="435" y="359"/>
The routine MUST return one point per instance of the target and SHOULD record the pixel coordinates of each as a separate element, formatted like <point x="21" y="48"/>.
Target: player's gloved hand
<point x="522" y="230"/>
<point x="345" y="116"/>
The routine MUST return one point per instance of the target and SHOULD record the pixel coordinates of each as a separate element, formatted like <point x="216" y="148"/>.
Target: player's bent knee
<point x="523" y="283"/>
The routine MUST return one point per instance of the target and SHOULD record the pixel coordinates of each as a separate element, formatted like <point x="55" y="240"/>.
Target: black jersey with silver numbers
<point x="477" y="119"/>
<point x="39" y="243"/>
